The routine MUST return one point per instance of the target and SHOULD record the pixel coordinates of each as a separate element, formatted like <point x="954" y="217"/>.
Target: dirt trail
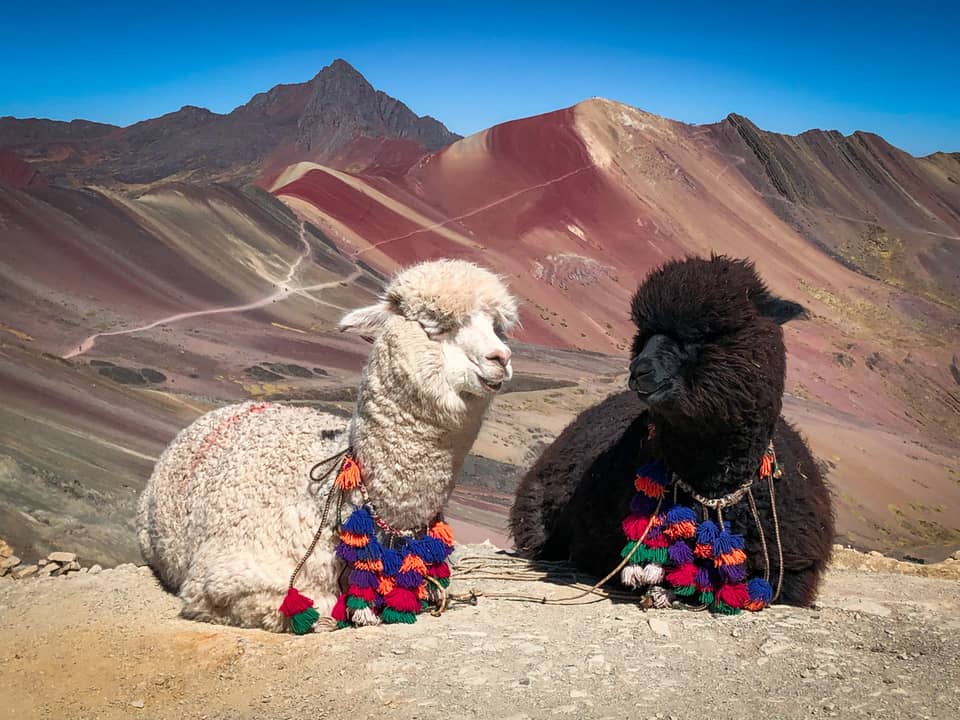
<point x="878" y="644"/>
<point x="285" y="288"/>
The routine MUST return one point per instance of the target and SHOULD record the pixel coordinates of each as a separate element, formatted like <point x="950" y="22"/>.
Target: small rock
<point x="48" y="569"/>
<point x="42" y="562"/>
<point x="137" y="704"/>
<point x="62" y="557"/>
<point x="83" y="570"/>
<point x="24" y="571"/>
<point x="659" y="627"/>
<point x="95" y="569"/>
<point x="9" y="562"/>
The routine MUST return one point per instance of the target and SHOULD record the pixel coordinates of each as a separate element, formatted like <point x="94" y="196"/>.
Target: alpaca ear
<point x="778" y="309"/>
<point x="366" y="320"/>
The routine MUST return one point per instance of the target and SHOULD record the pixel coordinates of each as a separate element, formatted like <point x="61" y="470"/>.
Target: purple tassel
<point x="363" y="578"/>
<point x="642" y="505"/>
<point x="409" y="579"/>
<point x="347" y="553"/>
<point x="733" y="573"/>
<point x="680" y="553"/>
<point x="703" y="581"/>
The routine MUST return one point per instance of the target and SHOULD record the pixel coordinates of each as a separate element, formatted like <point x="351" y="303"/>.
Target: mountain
<point x="128" y="309"/>
<point x="325" y="119"/>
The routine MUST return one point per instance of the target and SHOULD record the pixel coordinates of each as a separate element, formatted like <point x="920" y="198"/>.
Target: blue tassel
<point x="360" y="522"/>
<point x="654" y="471"/>
<point x="392" y="560"/>
<point x="371" y="551"/>
<point x="680" y="513"/>
<point x="736" y="541"/>
<point x="722" y="544"/>
<point x="429" y="549"/>
<point x="707" y="532"/>
<point x="759" y="589"/>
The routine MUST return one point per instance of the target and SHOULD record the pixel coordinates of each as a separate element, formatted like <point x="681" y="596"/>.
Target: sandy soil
<point x="878" y="644"/>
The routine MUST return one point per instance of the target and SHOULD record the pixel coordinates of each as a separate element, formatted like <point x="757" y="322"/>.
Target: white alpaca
<point x="228" y="511"/>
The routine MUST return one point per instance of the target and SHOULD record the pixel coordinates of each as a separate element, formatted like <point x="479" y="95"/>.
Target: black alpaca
<point x="707" y="374"/>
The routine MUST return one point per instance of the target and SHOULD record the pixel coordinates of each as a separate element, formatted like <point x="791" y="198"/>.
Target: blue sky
<point x="890" y="68"/>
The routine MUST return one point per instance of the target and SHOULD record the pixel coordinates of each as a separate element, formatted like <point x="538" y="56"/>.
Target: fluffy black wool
<point x="708" y="368"/>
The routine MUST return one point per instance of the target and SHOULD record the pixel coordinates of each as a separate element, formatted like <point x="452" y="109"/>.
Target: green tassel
<point x="355" y="603"/>
<point x="303" y="621"/>
<point x="344" y="624"/>
<point x="391" y="616"/>
<point x="685" y="590"/>
<point x="443" y="582"/>
<point x="424" y="606"/>
<point x="706" y="598"/>
<point x="721" y="607"/>
<point x="643" y="555"/>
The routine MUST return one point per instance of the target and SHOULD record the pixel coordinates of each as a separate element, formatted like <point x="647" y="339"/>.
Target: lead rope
<point x="776" y="532"/>
<point x="571" y="600"/>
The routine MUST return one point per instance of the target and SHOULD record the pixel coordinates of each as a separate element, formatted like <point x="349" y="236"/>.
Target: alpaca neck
<point x="714" y="460"/>
<point x="410" y="449"/>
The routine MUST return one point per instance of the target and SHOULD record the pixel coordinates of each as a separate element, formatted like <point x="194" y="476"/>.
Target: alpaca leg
<point x="800" y="586"/>
<point x="237" y="591"/>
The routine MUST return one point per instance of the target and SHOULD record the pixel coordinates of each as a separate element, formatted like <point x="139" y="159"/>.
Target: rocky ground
<point x="880" y="643"/>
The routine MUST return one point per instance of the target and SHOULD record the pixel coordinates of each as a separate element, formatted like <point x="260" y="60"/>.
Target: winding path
<point x="283" y="291"/>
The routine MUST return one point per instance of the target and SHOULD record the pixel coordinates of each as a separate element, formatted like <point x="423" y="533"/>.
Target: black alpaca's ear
<point x="778" y="309"/>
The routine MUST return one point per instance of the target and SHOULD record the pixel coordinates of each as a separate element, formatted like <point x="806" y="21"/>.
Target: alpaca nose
<point x="500" y="355"/>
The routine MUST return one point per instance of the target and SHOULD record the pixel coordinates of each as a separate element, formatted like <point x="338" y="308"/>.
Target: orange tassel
<point x="374" y="566"/>
<point x="422" y="593"/>
<point x="413" y="562"/>
<point x="386" y="586"/>
<point x="766" y="466"/>
<point x="349" y="476"/>
<point x="684" y="530"/>
<point x="734" y="557"/>
<point x="442" y="532"/>
<point x="354" y="540"/>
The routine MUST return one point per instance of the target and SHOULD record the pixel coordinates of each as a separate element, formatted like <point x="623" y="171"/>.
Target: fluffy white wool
<point x="228" y="511"/>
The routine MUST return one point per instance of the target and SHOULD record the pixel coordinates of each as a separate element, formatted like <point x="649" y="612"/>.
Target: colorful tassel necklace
<point x="394" y="575"/>
<point x="702" y="560"/>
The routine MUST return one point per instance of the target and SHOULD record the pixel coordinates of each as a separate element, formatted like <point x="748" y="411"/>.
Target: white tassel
<point x="365" y="616"/>
<point x="662" y="598"/>
<point x="630" y="576"/>
<point x="652" y="574"/>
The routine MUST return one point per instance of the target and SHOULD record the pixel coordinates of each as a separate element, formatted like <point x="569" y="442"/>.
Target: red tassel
<point x="402" y="600"/>
<point x="683" y="575"/>
<point x="339" y="612"/>
<point x="365" y="593"/>
<point x="440" y="570"/>
<point x="736" y="596"/>
<point x="295" y="603"/>
<point x="634" y="525"/>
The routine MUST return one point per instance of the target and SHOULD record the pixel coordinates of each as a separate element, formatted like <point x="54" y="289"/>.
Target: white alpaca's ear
<point x="366" y="320"/>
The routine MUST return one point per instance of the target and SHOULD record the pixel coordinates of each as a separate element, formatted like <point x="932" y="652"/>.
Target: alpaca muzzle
<point x="655" y="366"/>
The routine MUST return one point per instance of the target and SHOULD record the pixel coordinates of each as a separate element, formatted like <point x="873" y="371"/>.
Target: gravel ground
<point x="880" y="643"/>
